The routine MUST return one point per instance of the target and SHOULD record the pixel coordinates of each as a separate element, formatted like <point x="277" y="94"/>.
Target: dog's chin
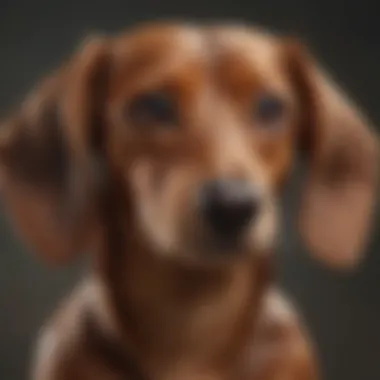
<point x="214" y="252"/>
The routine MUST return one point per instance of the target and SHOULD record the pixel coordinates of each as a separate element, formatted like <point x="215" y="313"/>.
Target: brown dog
<point x="163" y="152"/>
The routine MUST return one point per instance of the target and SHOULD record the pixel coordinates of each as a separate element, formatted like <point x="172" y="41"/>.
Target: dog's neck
<point x="179" y="320"/>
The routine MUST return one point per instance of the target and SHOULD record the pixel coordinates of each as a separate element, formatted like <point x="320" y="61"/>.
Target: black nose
<point x="228" y="206"/>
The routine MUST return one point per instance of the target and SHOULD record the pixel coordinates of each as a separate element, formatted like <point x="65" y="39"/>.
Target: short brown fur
<point x="77" y="175"/>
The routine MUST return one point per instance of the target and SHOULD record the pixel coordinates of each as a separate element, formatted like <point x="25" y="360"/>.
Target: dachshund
<point x="162" y="152"/>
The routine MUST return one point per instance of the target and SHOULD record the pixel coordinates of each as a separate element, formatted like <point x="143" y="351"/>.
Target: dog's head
<point x="197" y="128"/>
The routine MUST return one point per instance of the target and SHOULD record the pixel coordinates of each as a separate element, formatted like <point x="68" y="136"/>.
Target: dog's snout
<point x="228" y="206"/>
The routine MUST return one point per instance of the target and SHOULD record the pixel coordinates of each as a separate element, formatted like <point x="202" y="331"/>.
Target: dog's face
<point x="200" y="127"/>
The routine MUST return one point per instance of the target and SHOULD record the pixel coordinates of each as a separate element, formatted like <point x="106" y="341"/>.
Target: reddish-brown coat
<point x="76" y="175"/>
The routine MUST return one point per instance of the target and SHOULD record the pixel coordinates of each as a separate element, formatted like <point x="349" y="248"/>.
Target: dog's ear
<point x="48" y="157"/>
<point x="341" y="151"/>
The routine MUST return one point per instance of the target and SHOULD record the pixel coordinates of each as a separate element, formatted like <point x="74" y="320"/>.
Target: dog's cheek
<point x="264" y="228"/>
<point x="148" y="190"/>
<point x="264" y="234"/>
<point x="164" y="202"/>
<point x="144" y="197"/>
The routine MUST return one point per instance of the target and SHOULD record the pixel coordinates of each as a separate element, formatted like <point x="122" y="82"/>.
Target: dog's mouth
<point x="207" y="247"/>
<point x="229" y="244"/>
<point x="240" y="234"/>
<point x="226" y="244"/>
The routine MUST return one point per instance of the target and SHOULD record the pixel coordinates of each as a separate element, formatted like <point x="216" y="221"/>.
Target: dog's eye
<point x="152" y="108"/>
<point x="268" y="109"/>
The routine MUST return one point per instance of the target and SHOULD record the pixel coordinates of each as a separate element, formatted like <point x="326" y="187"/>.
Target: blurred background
<point x="341" y="310"/>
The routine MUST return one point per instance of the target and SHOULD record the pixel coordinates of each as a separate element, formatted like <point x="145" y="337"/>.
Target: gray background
<point x="342" y="311"/>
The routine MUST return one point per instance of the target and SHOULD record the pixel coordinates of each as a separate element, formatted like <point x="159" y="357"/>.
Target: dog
<point x="163" y="151"/>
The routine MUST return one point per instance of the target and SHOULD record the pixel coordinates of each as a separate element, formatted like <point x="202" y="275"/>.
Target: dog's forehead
<point x="252" y="44"/>
<point x="251" y="53"/>
<point x="176" y="45"/>
<point x="159" y="44"/>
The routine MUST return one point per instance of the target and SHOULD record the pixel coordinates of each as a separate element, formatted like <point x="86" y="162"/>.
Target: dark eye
<point x="269" y="109"/>
<point x="152" y="108"/>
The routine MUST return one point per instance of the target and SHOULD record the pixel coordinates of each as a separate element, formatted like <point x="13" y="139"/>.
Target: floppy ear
<point x="46" y="165"/>
<point x="341" y="151"/>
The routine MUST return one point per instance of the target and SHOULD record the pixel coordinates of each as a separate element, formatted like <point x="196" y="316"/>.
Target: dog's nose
<point x="228" y="206"/>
